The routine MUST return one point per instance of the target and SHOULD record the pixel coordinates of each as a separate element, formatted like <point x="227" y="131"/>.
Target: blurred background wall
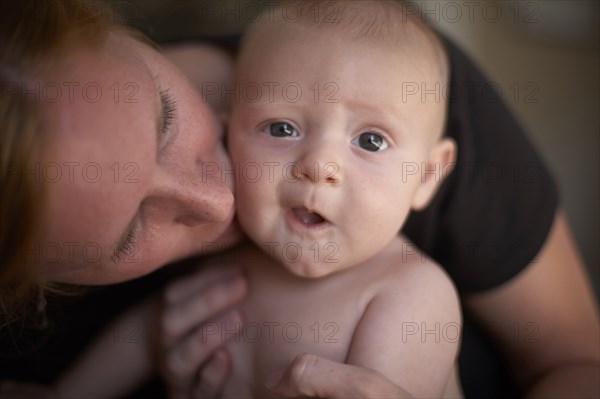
<point x="543" y="54"/>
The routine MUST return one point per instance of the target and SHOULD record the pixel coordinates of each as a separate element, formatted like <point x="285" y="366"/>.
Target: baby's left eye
<point x="371" y="142"/>
<point x="282" y="129"/>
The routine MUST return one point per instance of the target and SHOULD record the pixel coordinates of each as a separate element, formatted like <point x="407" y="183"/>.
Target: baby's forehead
<point x="385" y="24"/>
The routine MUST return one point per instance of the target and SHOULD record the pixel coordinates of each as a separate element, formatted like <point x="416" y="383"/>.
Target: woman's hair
<point x="34" y="37"/>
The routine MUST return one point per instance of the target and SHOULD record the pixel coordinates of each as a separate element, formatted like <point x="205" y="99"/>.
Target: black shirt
<point x="493" y="213"/>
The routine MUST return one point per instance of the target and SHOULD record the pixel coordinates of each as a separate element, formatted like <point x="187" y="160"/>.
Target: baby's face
<point x="329" y="152"/>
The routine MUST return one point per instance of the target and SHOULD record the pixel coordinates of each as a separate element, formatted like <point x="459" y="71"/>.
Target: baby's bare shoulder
<point x="402" y="259"/>
<point x="410" y="329"/>
<point x="406" y="274"/>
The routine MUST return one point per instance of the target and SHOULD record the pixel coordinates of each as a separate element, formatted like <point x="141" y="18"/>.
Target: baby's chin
<point x="310" y="269"/>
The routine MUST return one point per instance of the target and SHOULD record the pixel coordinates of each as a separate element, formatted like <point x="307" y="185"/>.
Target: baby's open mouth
<point x="308" y="217"/>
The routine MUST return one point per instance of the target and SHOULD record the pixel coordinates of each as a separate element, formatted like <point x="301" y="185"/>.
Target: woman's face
<point x="132" y="165"/>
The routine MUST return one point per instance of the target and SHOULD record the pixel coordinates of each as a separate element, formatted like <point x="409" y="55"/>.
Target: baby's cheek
<point x="249" y="200"/>
<point x="243" y="195"/>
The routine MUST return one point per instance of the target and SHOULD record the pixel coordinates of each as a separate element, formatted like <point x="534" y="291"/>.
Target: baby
<point x="330" y="157"/>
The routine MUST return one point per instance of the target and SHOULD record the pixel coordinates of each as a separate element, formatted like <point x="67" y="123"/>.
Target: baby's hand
<point x="25" y="390"/>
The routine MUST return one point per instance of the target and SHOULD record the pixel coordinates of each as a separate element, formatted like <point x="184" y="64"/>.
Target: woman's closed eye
<point x="371" y="141"/>
<point x="167" y="110"/>
<point x="125" y="247"/>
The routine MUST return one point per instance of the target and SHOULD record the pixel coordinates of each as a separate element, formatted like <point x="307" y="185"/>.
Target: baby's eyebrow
<point x="356" y="104"/>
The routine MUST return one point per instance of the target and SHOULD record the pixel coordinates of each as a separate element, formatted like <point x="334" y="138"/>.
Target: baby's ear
<point x="439" y="165"/>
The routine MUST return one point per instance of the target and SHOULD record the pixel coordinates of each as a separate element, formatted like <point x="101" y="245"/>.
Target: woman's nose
<point x="191" y="182"/>
<point x="193" y="197"/>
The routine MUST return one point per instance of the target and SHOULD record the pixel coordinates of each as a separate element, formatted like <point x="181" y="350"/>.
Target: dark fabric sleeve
<point x="493" y="213"/>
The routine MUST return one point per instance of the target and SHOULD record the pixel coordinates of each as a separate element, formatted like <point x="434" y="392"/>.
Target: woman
<point x="131" y="117"/>
<point x="132" y="141"/>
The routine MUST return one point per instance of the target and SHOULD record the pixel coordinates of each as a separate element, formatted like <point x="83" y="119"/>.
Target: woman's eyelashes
<point x="125" y="248"/>
<point x="168" y="110"/>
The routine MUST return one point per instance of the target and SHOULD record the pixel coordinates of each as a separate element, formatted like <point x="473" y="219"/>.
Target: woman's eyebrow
<point x="158" y="101"/>
<point x="159" y="108"/>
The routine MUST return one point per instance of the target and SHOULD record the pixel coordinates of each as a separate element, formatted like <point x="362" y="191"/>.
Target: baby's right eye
<point x="282" y="129"/>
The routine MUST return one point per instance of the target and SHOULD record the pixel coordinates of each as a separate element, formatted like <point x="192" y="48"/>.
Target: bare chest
<point x="284" y="320"/>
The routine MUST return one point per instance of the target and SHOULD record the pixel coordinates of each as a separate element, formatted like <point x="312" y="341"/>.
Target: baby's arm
<point x="410" y="331"/>
<point x="117" y="362"/>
